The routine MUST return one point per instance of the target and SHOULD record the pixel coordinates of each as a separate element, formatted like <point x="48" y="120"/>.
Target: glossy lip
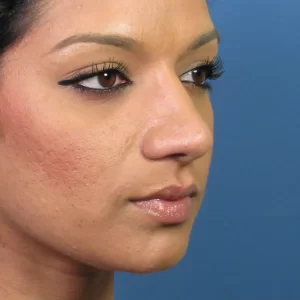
<point x="171" y="193"/>
<point x="171" y="205"/>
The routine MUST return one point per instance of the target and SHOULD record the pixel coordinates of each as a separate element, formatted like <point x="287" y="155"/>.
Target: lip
<point x="170" y="205"/>
<point x="172" y="193"/>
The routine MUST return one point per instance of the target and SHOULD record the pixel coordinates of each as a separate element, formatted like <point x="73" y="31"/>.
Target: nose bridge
<point x="178" y="129"/>
<point x="171" y="97"/>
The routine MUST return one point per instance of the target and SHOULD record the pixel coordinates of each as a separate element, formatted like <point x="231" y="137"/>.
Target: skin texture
<point x="70" y="161"/>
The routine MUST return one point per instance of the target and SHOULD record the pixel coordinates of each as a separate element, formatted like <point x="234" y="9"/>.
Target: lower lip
<point x="167" y="211"/>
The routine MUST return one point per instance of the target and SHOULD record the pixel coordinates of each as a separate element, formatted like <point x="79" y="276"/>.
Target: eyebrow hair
<point x="126" y="43"/>
<point x="204" y="39"/>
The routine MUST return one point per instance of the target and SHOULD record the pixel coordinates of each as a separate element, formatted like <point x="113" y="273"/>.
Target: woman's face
<point x="75" y="151"/>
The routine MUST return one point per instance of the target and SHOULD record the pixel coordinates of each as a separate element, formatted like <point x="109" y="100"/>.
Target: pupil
<point x="107" y="79"/>
<point x="199" y="76"/>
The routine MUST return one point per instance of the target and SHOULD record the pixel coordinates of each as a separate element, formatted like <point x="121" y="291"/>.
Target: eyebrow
<point x="126" y="43"/>
<point x="204" y="39"/>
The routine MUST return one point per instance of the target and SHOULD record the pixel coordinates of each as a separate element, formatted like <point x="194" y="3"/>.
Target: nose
<point x="177" y="129"/>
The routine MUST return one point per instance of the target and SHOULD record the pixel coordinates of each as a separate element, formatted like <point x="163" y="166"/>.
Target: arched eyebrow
<point x="126" y="43"/>
<point x="204" y="39"/>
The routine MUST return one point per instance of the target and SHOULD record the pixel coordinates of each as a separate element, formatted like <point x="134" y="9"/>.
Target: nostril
<point x="178" y="155"/>
<point x="183" y="158"/>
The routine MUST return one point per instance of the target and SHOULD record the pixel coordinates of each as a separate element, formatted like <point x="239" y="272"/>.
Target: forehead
<point x="155" y="22"/>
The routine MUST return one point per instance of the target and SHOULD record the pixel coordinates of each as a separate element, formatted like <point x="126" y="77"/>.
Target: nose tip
<point x="183" y="142"/>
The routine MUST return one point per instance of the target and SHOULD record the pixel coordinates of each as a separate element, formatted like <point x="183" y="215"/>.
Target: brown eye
<point x="199" y="76"/>
<point x="107" y="79"/>
<point x="104" y="80"/>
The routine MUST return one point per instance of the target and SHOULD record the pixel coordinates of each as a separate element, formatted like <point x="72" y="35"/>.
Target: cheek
<point x="202" y="165"/>
<point x="205" y="109"/>
<point x="63" y="154"/>
<point x="64" y="159"/>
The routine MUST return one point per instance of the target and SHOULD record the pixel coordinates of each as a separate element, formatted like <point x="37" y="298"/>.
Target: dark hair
<point x="16" y="17"/>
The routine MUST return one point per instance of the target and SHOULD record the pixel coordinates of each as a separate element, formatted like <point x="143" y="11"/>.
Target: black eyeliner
<point x="77" y="78"/>
<point x="108" y="91"/>
<point x="95" y="71"/>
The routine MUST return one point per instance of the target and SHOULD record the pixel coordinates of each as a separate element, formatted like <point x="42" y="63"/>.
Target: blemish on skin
<point x="80" y="224"/>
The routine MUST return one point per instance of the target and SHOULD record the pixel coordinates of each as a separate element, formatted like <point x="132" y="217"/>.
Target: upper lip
<point x="171" y="193"/>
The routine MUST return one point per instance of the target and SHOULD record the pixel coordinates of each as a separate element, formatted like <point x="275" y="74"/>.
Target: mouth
<point x="171" y="205"/>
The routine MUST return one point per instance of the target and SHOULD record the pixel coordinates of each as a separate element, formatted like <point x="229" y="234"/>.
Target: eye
<point x="109" y="77"/>
<point x="196" y="76"/>
<point x="210" y="70"/>
<point x="103" y="80"/>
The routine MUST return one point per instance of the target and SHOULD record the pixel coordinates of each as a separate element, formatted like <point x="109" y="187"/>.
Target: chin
<point x="146" y="262"/>
<point x="157" y="264"/>
<point x="159" y="255"/>
<point x="152" y="263"/>
<point x="141" y="251"/>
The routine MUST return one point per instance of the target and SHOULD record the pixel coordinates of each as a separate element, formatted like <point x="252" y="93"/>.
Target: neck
<point x="31" y="272"/>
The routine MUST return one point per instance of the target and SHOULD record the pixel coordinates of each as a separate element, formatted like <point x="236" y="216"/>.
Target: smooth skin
<point x="70" y="161"/>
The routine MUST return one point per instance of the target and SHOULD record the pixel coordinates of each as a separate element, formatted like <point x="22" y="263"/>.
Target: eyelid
<point x="198" y="64"/>
<point x="213" y="70"/>
<point x="96" y="69"/>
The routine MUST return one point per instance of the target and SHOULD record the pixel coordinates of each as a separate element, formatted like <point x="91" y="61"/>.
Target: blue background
<point x="246" y="240"/>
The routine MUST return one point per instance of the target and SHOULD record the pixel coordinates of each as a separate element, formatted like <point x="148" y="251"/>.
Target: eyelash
<point x="111" y="66"/>
<point x="213" y="70"/>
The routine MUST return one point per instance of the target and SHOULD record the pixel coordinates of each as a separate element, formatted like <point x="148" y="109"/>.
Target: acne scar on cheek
<point x="57" y="153"/>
